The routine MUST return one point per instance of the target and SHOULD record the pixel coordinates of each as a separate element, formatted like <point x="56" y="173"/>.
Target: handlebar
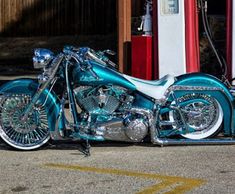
<point x="92" y="55"/>
<point x="84" y="53"/>
<point x="82" y="56"/>
<point x="101" y="56"/>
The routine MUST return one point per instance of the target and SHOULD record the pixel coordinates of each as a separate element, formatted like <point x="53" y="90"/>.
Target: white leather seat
<point x="155" y="89"/>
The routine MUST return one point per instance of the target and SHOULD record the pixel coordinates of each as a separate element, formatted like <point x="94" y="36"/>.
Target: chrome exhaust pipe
<point x="165" y="142"/>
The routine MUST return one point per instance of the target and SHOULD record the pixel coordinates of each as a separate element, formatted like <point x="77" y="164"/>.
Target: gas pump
<point x="179" y="27"/>
<point x="142" y="47"/>
<point x="176" y="37"/>
<point x="176" y="44"/>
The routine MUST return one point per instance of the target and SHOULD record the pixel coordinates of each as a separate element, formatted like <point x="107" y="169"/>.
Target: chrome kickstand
<point x="85" y="148"/>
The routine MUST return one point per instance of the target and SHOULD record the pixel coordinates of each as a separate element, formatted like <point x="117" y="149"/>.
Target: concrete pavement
<point x="119" y="168"/>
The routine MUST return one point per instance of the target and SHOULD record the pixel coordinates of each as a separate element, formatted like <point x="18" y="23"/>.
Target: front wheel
<point x="24" y="135"/>
<point x="202" y="113"/>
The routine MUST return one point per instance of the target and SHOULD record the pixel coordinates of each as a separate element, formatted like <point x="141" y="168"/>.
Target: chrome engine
<point x="103" y="100"/>
<point x="133" y="128"/>
<point x="111" y="113"/>
<point x="136" y="130"/>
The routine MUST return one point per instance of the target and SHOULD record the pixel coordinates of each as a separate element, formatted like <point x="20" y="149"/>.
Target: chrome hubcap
<point x="200" y="115"/>
<point x="28" y="133"/>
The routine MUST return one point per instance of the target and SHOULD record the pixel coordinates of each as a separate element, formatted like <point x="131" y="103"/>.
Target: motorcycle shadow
<point x="77" y="145"/>
<point x="81" y="150"/>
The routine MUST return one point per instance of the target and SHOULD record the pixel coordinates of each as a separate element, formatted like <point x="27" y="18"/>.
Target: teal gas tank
<point x="105" y="75"/>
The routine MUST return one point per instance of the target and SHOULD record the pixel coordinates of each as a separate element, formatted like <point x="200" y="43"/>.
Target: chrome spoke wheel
<point x="202" y="113"/>
<point x="25" y="135"/>
<point x="200" y="116"/>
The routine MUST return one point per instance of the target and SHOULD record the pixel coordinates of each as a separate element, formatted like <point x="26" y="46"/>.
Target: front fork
<point x="40" y="90"/>
<point x="50" y="79"/>
<point x="35" y="98"/>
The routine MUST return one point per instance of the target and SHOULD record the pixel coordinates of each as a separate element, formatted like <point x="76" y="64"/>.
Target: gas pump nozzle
<point x="205" y="6"/>
<point x="146" y="24"/>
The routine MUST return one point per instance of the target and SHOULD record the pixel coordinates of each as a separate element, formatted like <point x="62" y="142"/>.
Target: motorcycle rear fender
<point x="28" y="86"/>
<point x="223" y="95"/>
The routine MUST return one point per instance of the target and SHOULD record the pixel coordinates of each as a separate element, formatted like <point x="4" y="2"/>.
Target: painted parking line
<point x="166" y="184"/>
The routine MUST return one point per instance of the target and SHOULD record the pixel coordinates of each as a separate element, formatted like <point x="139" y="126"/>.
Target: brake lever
<point x="114" y="65"/>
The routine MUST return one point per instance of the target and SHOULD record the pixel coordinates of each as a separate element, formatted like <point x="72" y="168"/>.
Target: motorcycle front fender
<point x="222" y="95"/>
<point x="29" y="86"/>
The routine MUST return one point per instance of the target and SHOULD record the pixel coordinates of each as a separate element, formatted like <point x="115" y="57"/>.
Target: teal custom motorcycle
<point x="107" y="105"/>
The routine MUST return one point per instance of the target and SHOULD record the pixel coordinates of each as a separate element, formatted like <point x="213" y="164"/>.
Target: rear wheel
<point x="202" y="113"/>
<point x="24" y="135"/>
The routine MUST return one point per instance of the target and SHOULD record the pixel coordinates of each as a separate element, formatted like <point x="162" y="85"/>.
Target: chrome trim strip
<point x="192" y="88"/>
<point x="166" y="142"/>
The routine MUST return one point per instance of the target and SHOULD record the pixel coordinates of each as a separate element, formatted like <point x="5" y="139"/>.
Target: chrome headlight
<point x="42" y="57"/>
